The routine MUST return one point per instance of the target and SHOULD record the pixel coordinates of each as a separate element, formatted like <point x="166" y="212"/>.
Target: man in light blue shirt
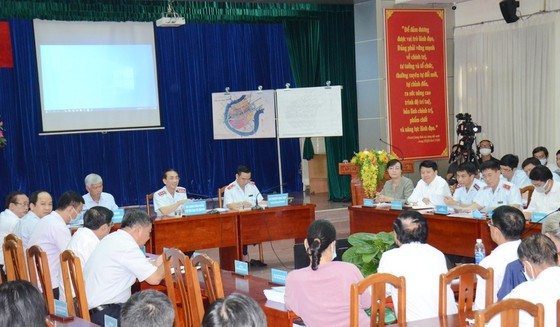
<point x="95" y="195"/>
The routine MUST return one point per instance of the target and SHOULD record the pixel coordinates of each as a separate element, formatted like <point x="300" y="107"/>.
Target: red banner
<point x="6" y="60"/>
<point x="417" y="82"/>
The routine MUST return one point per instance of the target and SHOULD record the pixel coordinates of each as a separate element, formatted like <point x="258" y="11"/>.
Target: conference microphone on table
<point x="257" y="206"/>
<point x="535" y="224"/>
<point x="394" y="146"/>
<point x="206" y="198"/>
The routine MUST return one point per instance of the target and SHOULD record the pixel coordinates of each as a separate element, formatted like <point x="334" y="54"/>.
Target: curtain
<point x="193" y="61"/>
<point x="506" y="76"/>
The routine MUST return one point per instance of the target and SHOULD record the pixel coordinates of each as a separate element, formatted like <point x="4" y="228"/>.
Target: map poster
<point x="417" y="82"/>
<point x="246" y="114"/>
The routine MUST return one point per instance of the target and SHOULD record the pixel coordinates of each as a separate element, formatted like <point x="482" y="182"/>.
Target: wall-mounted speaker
<point x="509" y="10"/>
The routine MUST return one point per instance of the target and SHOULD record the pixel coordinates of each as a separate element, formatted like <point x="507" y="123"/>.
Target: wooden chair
<point x="38" y="264"/>
<point x="509" y="310"/>
<point x="212" y="277"/>
<point x="149" y="198"/>
<point x="73" y="279"/>
<point x="221" y="191"/>
<point x="467" y="278"/>
<point x="378" y="298"/>
<point x="190" y="306"/>
<point x="14" y="259"/>
<point x="529" y="189"/>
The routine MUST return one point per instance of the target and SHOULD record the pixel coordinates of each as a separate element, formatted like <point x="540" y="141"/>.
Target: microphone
<point x="257" y="206"/>
<point x="214" y="210"/>
<point x="394" y="146"/>
<point x="534" y="224"/>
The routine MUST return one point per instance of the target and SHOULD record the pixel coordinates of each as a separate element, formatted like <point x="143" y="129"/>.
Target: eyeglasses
<point x="490" y="223"/>
<point x="24" y="204"/>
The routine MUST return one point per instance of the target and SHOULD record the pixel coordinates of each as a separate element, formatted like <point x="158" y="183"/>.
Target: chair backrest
<point x="378" y="298"/>
<point x="509" y="311"/>
<point x="38" y="264"/>
<point x="212" y="276"/>
<point x="467" y="278"/>
<point x="73" y="280"/>
<point x="187" y="285"/>
<point x="149" y="198"/>
<point x="529" y="189"/>
<point x="221" y="191"/>
<point x="14" y="259"/>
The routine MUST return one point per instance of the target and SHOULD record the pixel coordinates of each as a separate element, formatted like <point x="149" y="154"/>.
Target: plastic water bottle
<point x="479" y="251"/>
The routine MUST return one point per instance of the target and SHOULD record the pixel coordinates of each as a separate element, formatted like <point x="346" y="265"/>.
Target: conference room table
<point x="451" y="235"/>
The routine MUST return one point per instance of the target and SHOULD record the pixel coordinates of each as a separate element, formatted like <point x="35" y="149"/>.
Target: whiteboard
<point x="309" y="112"/>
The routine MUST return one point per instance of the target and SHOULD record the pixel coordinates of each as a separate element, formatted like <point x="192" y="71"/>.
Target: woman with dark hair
<point x="320" y="293"/>
<point x="21" y="305"/>
<point x="398" y="188"/>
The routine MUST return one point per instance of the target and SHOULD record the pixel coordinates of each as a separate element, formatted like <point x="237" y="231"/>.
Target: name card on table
<point x="277" y="200"/>
<point x="477" y="215"/>
<point x="194" y="208"/>
<point x="537" y="216"/>
<point x="241" y="268"/>
<point x="396" y="205"/>
<point x="278" y="276"/>
<point x="118" y="215"/>
<point x="60" y="308"/>
<point x="368" y="203"/>
<point x="441" y="210"/>
<point x="110" y="321"/>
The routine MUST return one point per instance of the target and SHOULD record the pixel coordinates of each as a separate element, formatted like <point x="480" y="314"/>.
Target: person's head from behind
<point x="466" y="173"/>
<point x="490" y="171"/>
<point x="428" y="171"/>
<point x="541" y="153"/>
<point x="320" y="242"/>
<point x="21" y="305"/>
<point x="537" y="252"/>
<point x="410" y="227"/>
<point x="508" y="165"/>
<point x="40" y="203"/>
<point x="507" y="224"/>
<point x="99" y="220"/>
<point x="394" y="168"/>
<point x="235" y="310"/>
<point x="551" y="228"/>
<point x="146" y="309"/>
<point x="528" y="164"/>
<point x="139" y="225"/>
<point x="69" y="205"/>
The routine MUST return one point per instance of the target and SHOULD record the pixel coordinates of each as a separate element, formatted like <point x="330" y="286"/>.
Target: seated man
<point x="485" y="149"/>
<point x="147" y="309"/>
<point x="116" y="263"/>
<point x="541" y="153"/>
<point x="431" y="184"/>
<point x="546" y="197"/>
<point x="468" y="186"/>
<point x="557" y="171"/>
<point x="506" y="227"/>
<point x="497" y="192"/>
<point x="532" y="162"/>
<point x="22" y="305"/>
<point x="242" y="193"/>
<point x="235" y="310"/>
<point x="420" y="263"/>
<point x="540" y="262"/>
<point x="40" y="205"/>
<point x="508" y="167"/>
<point x="170" y="197"/>
<point x="52" y="234"/>
<point x="17" y="205"/>
<point x="95" y="195"/>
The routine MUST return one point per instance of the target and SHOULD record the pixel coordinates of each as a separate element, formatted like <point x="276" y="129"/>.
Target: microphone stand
<point x="535" y="224"/>
<point x="257" y="206"/>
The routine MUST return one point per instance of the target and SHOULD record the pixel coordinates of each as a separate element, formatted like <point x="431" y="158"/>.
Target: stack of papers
<point x="275" y="294"/>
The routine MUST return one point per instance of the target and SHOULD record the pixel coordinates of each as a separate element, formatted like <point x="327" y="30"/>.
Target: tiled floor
<point x="279" y="254"/>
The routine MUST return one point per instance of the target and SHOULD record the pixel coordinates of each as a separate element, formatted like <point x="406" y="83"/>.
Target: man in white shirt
<point x="508" y="168"/>
<point x="506" y="228"/>
<point x="541" y="153"/>
<point x="116" y="263"/>
<point x="242" y="193"/>
<point x="467" y="188"/>
<point x="546" y="197"/>
<point x="40" y="205"/>
<point x="17" y="205"/>
<point x="170" y="197"/>
<point x="430" y="185"/>
<point x="420" y="264"/>
<point x="532" y="162"/>
<point x="95" y="195"/>
<point x="52" y="234"/>
<point x="539" y="257"/>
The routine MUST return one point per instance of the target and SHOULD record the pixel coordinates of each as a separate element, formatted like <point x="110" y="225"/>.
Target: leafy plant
<point x="367" y="249"/>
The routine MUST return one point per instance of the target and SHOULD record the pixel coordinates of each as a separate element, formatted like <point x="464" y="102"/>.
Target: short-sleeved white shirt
<point x="162" y="198"/>
<point x="519" y="179"/>
<point x="505" y="194"/>
<point x="422" y="190"/>
<point x="546" y="202"/>
<point x="497" y="260"/>
<point x="25" y="227"/>
<point x="52" y="235"/>
<point x="105" y="200"/>
<point x="8" y="221"/>
<point x="234" y="194"/>
<point x="464" y="196"/>
<point x="113" y="267"/>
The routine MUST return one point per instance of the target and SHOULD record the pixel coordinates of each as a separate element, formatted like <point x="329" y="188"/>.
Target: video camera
<point x="467" y="127"/>
<point x="467" y="130"/>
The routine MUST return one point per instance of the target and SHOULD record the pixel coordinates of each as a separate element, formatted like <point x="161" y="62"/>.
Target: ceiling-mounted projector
<point x="170" y="22"/>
